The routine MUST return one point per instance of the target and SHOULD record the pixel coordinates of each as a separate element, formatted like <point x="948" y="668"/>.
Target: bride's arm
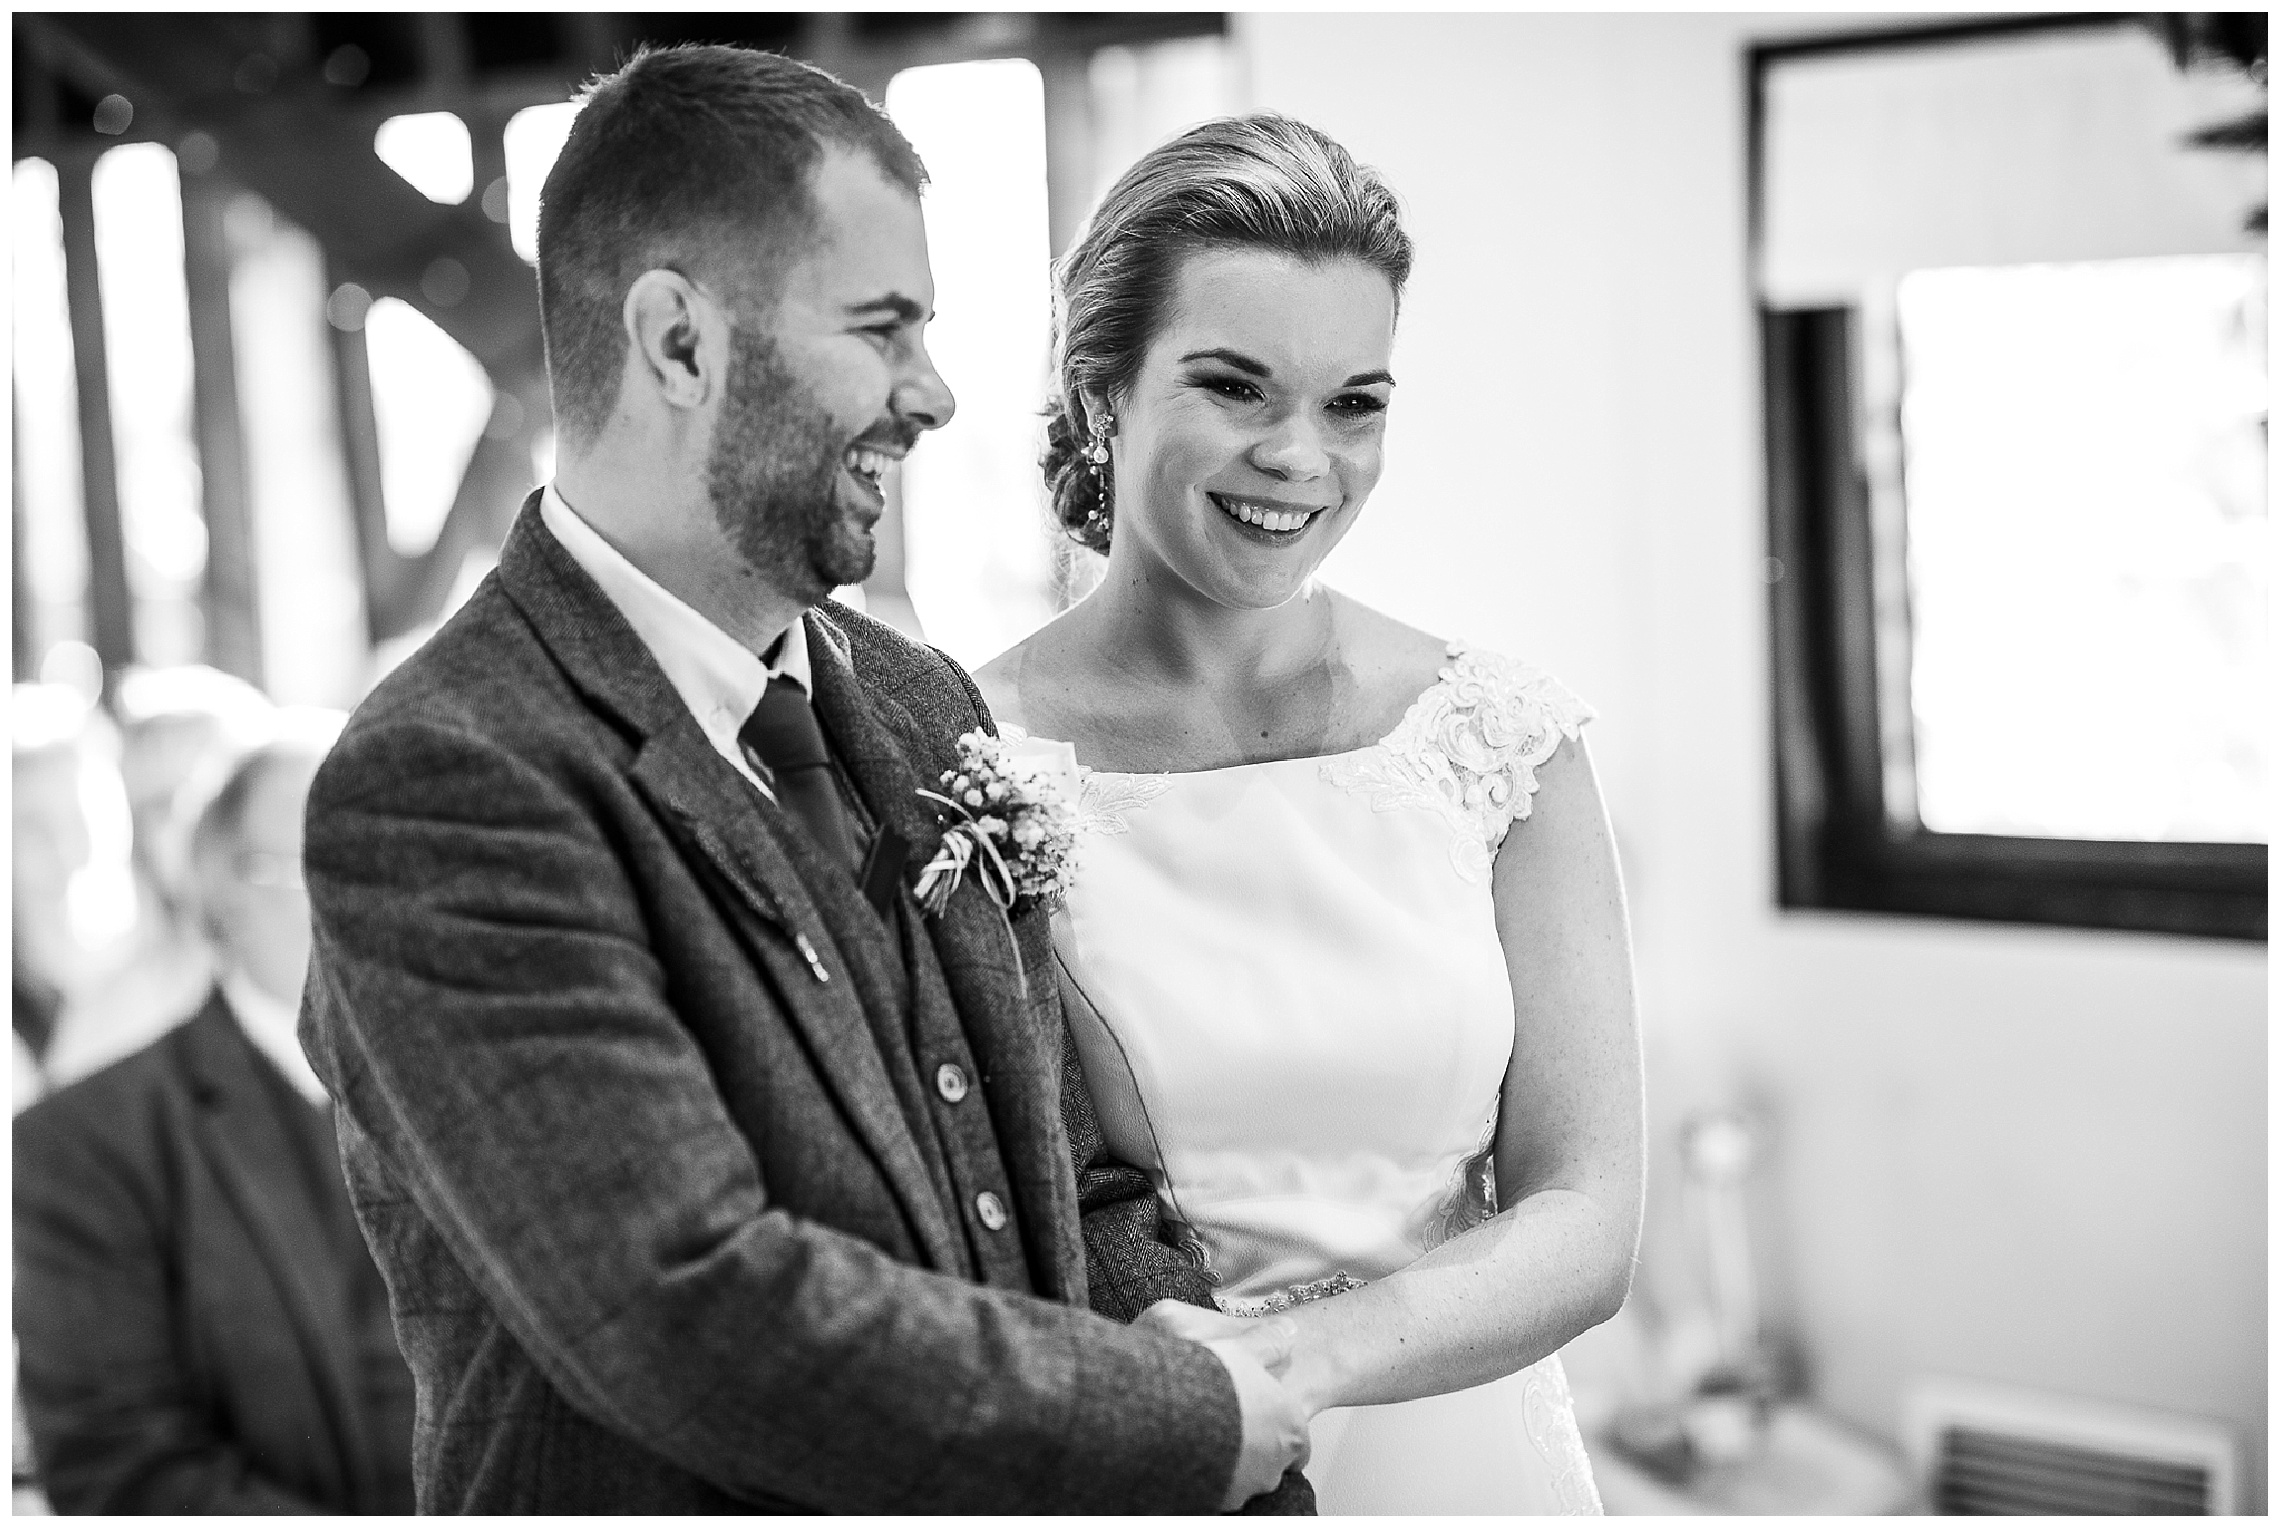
<point x="1569" y="1148"/>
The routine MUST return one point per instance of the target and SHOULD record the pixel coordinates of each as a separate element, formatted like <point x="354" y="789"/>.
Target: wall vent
<point x="1984" y="1449"/>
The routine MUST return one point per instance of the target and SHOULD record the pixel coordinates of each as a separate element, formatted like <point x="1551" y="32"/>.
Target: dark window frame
<point x="1837" y="847"/>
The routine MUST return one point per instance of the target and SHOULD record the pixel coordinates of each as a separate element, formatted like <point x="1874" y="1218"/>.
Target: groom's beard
<point x="773" y="478"/>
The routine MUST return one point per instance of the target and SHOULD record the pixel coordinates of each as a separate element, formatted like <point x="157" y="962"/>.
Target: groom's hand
<point x="1253" y="1352"/>
<point x="1268" y="1340"/>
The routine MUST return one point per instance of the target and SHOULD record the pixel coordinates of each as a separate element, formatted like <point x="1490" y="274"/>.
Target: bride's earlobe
<point x="1100" y="420"/>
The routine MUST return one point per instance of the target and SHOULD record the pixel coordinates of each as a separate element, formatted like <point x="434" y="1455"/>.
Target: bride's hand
<point x="1277" y="1344"/>
<point x="1267" y="1341"/>
<point x="1289" y="1347"/>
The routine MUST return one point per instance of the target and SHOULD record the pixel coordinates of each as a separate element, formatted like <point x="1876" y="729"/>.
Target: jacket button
<point x="991" y="1209"/>
<point x="950" y="1081"/>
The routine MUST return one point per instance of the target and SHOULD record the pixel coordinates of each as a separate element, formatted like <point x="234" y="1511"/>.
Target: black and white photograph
<point x="1140" y="762"/>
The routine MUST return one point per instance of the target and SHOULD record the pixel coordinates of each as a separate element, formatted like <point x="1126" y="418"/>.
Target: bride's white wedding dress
<point x="1295" y="1014"/>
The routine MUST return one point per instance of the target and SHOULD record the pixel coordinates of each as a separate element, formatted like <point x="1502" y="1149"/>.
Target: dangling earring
<point x="1095" y="453"/>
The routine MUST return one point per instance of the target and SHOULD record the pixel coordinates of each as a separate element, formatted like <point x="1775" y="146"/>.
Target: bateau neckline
<point x="1445" y="675"/>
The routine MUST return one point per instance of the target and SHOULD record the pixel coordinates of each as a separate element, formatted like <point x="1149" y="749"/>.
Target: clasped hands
<point x="1256" y="1353"/>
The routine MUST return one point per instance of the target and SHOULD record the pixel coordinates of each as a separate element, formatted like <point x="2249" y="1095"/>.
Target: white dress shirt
<point x="717" y="677"/>
<point x="271" y="1025"/>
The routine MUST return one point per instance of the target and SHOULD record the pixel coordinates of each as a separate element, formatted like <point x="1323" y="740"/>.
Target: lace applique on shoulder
<point x="1104" y="800"/>
<point x="1468" y="750"/>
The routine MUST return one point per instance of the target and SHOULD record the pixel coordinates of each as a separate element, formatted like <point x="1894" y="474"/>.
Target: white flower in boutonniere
<point x="1010" y="819"/>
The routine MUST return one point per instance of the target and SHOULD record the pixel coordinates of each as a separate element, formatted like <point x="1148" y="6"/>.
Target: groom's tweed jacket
<point x="656" y="1228"/>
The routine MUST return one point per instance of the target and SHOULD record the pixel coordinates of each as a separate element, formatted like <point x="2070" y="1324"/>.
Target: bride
<point x="1346" y="955"/>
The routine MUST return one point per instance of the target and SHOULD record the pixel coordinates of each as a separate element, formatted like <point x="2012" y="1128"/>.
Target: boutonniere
<point x="1008" y="819"/>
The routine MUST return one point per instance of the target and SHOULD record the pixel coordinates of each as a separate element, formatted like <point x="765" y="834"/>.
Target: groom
<point x="706" y="1172"/>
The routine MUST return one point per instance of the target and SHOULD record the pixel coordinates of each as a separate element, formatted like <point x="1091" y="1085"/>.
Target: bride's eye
<point x="1230" y="387"/>
<point x="1358" y="405"/>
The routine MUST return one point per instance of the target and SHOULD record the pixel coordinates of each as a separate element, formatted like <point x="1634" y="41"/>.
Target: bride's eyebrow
<point x="1234" y="358"/>
<point x="1261" y="370"/>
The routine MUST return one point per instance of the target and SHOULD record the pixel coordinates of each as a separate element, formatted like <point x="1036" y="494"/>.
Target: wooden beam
<point x="402" y="593"/>
<point x="596" y="43"/>
<point x="314" y="163"/>
<point x="377" y="561"/>
<point x="110" y="602"/>
<point x="444" y="64"/>
<point x="230" y="597"/>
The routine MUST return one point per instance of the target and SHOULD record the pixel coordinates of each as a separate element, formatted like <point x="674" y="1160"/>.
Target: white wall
<point x="2035" y="1157"/>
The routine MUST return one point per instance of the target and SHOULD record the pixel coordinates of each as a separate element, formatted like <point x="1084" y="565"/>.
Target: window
<point x="2082" y="474"/>
<point x="315" y="647"/>
<point x="531" y="143"/>
<point x="985" y="565"/>
<point x="146" y="329"/>
<point x="431" y="400"/>
<point x="2016" y="409"/>
<point x="979" y="565"/>
<point x="51" y="529"/>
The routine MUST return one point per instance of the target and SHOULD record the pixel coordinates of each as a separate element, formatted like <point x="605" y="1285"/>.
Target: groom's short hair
<point x="687" y="154"/>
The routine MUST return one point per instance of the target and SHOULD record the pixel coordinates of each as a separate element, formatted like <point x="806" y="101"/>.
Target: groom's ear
<point x="676" y="339"/>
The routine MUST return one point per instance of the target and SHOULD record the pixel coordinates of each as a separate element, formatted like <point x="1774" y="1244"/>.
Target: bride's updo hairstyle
<point x="1263" y="181"/>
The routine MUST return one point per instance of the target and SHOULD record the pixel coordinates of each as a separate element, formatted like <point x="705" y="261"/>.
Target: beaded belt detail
<point x="1288" y="1299"/>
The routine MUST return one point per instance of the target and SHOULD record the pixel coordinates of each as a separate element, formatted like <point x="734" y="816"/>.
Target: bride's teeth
<point x="1265" y="519"/>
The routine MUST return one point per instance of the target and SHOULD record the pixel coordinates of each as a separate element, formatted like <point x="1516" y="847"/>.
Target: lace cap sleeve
<point x="1502" y="717"/>
<point x="1468" y="751"/>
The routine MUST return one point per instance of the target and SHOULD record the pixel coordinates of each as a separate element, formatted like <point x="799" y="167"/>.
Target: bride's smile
<point x="1266" y="515"/>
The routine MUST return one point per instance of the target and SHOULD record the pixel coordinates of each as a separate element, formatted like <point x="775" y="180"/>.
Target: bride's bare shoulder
<point x="1000" y="683"/>
<point x="1384" y="653"/>
<point x="1026" y="685"/>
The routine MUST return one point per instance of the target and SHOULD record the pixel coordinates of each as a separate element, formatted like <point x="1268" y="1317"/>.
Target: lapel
<point x="253" y="1159"/>
<point x="884" y="747"/>
<point x="732" y="831"/>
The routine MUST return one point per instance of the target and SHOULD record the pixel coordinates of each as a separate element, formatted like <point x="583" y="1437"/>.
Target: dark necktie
<point x="783" y="734"/>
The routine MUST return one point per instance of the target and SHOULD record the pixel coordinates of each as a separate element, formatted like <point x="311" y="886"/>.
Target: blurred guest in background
<point x="201" y="1327"/>
<point x="63" y="780"/>
<point x="173" y="723"/>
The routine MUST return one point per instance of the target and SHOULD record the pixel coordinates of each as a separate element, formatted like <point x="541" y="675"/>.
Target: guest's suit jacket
<point x="181" y="1305"/>
<point x="655" y="1227"/>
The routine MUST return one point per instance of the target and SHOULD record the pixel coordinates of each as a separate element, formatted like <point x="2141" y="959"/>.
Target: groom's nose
<point x="921" y="395"/>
